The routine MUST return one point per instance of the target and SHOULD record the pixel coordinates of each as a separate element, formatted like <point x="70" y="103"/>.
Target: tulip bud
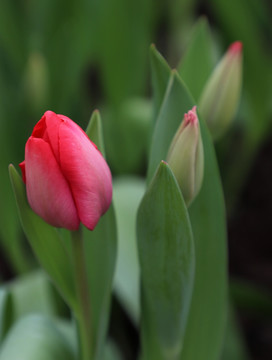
<point x="185" y="156"/>
<point x="67" y="179"/>
<point x="219" y="99"/>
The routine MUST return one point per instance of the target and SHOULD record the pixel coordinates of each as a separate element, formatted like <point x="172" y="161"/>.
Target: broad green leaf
<point x="160" y="72"/>
<point x="95" y="132"/>
<point x="101" y="251"/>
<point x="166" y="254"/>
<point x="127" y="193"/>
<point x="35" y="337"/>
<point x="197" y="63"/>
<point x="207" y="215"/>
<point x="6" y="313"/>
<point x="209" y="302"/>
<point x="45" y="241"/>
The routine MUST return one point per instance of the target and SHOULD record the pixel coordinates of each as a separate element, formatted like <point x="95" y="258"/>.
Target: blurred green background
<point x="74" y="56"/>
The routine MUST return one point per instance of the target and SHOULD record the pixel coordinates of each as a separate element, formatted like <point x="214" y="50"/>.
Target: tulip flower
<point x="185" y="156"/>
<point x="219" y="99"/>
<point x="67" y="179"/>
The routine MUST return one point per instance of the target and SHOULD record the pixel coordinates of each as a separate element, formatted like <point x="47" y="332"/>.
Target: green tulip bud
<point x="185" y="156"/>
<point x="219" y="99"/>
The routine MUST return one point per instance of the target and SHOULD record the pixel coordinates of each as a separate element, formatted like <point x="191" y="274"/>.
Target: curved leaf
<point x="166" y="254"/>
<point x="100" y="256"/>
<point x="206" y="321"/>
<point x="45" y="241"/>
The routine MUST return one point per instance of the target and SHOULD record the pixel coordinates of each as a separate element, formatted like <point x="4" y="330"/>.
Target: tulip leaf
<point x="209" y="303"/>
<point x="45" y="241"/>
<point x="166" y="254"/>
<point x="35" y="337"/>
<point x="207" y="215"/>
<point x="95" y="132"/>
<point x="197" y="63"/>
<point x="160" y="71"/>
<point x="101" y="250"/>
<point x="6" y="312"/>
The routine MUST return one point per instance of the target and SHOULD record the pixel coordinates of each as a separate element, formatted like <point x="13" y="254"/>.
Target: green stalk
<point x="83" y="310"/>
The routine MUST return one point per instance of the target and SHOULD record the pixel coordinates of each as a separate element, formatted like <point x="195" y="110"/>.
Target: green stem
<point x="83" y="311"/>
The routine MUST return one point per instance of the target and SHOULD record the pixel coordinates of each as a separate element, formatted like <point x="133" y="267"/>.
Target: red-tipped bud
<point x="185" y="156"/>
<point x="221" y="94"/>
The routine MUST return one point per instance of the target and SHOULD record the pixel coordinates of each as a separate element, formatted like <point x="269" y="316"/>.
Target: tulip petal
<point x="48" y="192"/>
<point x="52" y="128"/>
<point x="87" y="173"/>
<point x="40" y="129"/>
<point x="22" y="167"/>
<point x="74" y="127"/>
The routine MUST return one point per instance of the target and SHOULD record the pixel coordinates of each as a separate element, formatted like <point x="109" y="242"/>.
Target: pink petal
<point x="87" y="172"/>
<point x="22" y="166"/>
<point x="40" y="128"/>
<point x="48" y="192"/>
<point x="73" y="126"/>
<point x="52" y="127"/>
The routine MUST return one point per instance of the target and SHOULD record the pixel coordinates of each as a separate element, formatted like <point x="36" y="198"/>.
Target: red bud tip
<point x="191" y="117"/>
<point x="236" y="47"/>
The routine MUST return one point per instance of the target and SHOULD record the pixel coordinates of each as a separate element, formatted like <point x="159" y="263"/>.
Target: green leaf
<point x="45" y="241"/>
<point x="160" y="72"/>
<point x="207" y="215"/>
<point x="166" y="254"/>
<point x="197" y="63"/>
<point x="35" y="337"/>
<point x="6" y="313"/>
<point x="101" y="251"/>
<point x="209" y="302"/>
<point x="127" y="193"/>
<point x="95" y="132"/>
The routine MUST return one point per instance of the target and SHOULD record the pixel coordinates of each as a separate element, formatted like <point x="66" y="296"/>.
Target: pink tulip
<point x="67" y="179"/>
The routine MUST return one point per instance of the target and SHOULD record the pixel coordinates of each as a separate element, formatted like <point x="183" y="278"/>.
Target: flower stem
<point x="83" y="311"/>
